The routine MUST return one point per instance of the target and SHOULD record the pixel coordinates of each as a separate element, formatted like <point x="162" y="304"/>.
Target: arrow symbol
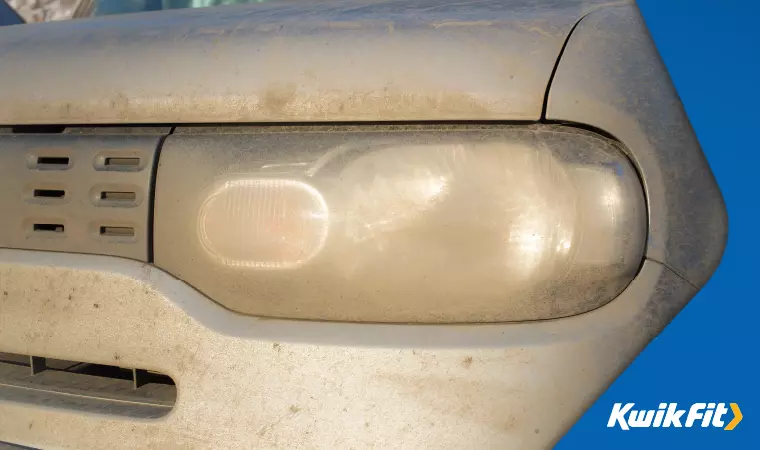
<point x="737" y="417"/>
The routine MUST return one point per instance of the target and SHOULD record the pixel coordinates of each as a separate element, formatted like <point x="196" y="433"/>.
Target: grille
<point x="84" y="386"/>
<point x="77" y="192"/>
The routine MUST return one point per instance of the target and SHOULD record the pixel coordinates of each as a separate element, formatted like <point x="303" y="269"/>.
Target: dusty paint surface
<point x="244" y="382"/>
<point x="278" y="62"/>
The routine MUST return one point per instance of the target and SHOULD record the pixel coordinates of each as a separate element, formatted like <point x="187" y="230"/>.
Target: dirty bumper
<point x="252" y="382"/>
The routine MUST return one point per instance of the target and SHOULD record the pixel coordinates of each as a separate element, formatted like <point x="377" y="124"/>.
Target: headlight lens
<point x="423" y="227"/>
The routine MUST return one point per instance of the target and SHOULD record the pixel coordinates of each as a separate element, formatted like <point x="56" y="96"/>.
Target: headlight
<point x="498" y="224"/>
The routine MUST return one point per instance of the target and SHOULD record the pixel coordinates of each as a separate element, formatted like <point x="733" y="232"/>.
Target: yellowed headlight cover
<point x="430" y="226"/>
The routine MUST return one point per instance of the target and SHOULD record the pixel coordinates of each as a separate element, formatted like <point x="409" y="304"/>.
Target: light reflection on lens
<point x="516" y="202"/>
<point x="390" y="189"/>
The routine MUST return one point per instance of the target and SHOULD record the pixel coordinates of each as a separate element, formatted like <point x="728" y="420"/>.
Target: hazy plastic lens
<point x="462" y="226"/>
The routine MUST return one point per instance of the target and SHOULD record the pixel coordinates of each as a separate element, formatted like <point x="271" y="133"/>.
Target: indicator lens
<point x="268" y="224"/>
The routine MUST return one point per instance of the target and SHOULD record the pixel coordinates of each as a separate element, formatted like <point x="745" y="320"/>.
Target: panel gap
<point x="38" y="129"/>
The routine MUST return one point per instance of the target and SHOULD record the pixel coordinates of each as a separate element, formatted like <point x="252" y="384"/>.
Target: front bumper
<point x="245" y="381"/>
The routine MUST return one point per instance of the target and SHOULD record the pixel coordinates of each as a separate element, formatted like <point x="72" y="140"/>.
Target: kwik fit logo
<point x="669" y="415"/>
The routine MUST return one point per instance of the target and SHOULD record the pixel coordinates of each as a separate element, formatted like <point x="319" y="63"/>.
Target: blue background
<point x="709" y="352"/>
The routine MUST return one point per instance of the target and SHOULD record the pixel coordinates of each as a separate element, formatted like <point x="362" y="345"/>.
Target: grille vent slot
<point x="117" y="231"/>
<point x="52" y="163"/>
<point x="83" y="386"/>
<point x="121" y="163"/>
<point x="49" y="193"/>
<point x="119" y="196"/>
<point x="117" y="163"/>
<point x="48" y="227"/>
<point x="116" y="196"/>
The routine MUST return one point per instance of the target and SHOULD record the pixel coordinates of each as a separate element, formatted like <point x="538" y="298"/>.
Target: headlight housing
<point x="430" y="226"/>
